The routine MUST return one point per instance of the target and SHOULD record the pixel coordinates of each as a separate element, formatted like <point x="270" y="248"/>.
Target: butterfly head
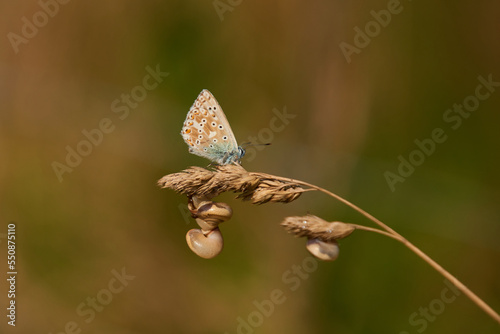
<point x="233" y="156"/>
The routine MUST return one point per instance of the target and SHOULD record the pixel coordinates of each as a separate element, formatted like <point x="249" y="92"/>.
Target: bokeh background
<point x="352" y="119"/>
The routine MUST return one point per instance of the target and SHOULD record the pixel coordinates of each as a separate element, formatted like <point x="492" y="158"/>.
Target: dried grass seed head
<point x="314" y="227"/>
<point x="257" y="187"/>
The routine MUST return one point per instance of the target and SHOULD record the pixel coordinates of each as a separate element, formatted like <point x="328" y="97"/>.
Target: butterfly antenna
<point x="247" y="144"/>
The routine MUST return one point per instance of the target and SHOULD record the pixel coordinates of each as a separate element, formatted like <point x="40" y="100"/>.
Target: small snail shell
<point x="211" y="214"/>
<point x="204" y="225"/>
<point x="195" y="202"/>
<point x="207" y="245"/>
<point x="323" y="250"/>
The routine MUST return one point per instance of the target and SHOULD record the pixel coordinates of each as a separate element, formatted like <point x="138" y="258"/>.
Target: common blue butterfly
<point x="207" y="131"/>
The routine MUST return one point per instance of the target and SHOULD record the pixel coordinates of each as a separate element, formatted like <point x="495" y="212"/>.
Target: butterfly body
<point x="207" y="132"/>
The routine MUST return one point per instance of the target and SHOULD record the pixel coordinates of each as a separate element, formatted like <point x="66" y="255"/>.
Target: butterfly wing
<point x="207" y="131"/>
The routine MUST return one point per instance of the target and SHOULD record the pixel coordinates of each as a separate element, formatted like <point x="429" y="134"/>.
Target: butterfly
<point x="207" y="131"/>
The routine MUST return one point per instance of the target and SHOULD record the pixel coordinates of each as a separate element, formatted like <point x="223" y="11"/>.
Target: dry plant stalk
<point x="262" y="188"/>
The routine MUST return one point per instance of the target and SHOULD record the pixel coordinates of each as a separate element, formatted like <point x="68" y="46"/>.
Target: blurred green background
<point x="352" y="120"/>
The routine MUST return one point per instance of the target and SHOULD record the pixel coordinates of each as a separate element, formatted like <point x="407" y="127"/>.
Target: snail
<point x="323" y="250"/>
<point x="207" y="242"/>
<point x="206" y="245"/>
<point x="210" y="214"/>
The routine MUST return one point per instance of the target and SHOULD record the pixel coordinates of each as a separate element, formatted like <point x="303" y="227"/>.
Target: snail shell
<point x="323" y="250"/>
<point x="207" y="245"/>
